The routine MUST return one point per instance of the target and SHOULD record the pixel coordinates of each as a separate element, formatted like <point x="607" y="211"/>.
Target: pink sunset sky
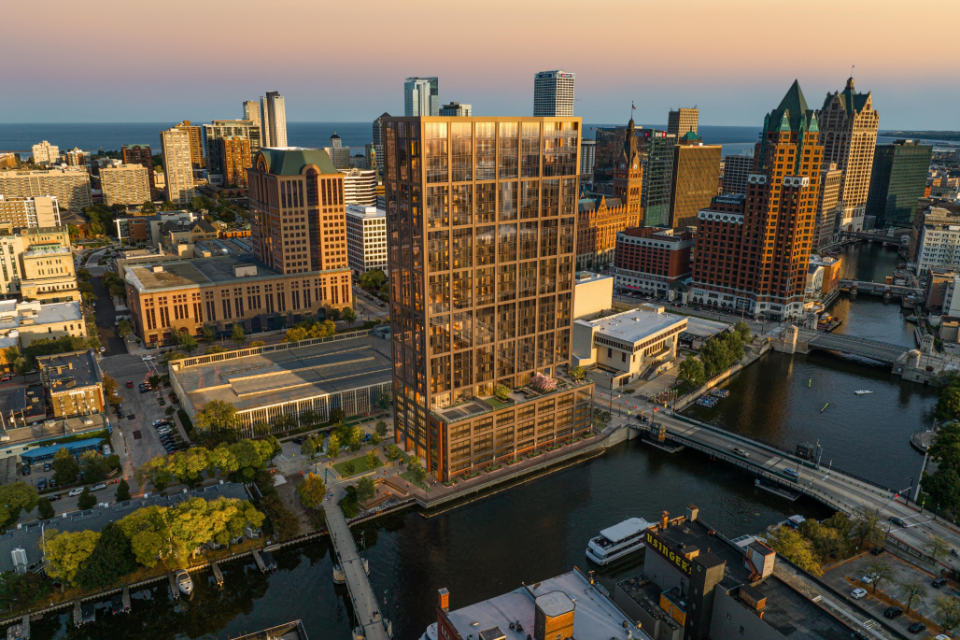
<point x="138" y="61"/>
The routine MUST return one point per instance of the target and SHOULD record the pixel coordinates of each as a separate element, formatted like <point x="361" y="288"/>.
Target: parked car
<point x="299" y="440"/>
<point x="939" y="582"/>
<point x="26" y="470"/>
<point x="41" y="484"/>
<point x="869" y="578"/>
<point x="876" y="551"/>
<point x="54" y="497"/>
<point x="858" y="593"/>
<point x="75" y="492"/>
<point x="157" y="423"/>
<point x="47" y="466"/>
<point x="916" y="627"/>
<point x="6" y="378"/>
<point x="98" y="487"/>
<point x="129" y="384"/>
<point x="145" y="388"/>
<point x="892" y="612"/>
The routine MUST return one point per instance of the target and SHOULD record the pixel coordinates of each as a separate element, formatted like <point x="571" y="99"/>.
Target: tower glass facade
<point x="898" y="180"/>
<point x="421" y="97"/>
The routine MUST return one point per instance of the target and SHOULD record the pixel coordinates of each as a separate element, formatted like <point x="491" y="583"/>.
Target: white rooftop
<point x="636" y="325"/>
<point x="596" y="617"/>
<point x="703" y="328"/>
<point x="626" y="528"/>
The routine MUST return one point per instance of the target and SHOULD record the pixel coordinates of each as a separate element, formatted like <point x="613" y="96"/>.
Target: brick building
<point x="73" y="382"/>
<point x="142" y="155"/>
<point x="652" y="260"/>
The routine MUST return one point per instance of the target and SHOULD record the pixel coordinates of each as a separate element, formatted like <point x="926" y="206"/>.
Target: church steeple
<point x="628" y="172"/>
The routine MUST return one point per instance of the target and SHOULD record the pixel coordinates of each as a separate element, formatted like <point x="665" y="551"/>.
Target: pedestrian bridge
<point x="873" y="349"/>
<point x="881" y="288"/>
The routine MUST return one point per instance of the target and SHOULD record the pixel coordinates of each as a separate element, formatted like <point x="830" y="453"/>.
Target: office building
<point x="898" y="179"/>
<point x="657" y="153"/>
<point x="366" y="238"/>
<point x="753" y="251"/>
<point x="24" y="258"/>
<point x="142" y="155"/>
<point x="359" y="186"/>
<point x="830" y="209"/>
<point x="178" y="164"/>
<point x="553" y="94"/>
<point x="339" y="154"/>
<point x="937" y="282"/>
<point x="492" y="303"/>
<point x="218" y="130"/>
<point x="938" y="246"/>
<point x="24" y="211"/>
<point x="682" y="121"/>
<point x="832" y="267"/>
<point x="234" y="158"/>
<point x="735" y="172"/>
<point x="696" y="174"/>
<point x="273" y="120"/>
<point x="73" y="382"/>
<point x="588" y="157"/>
<point x="251" y="113"/>
<point x="848" y="135"/>
<point x="46" y="153"/>
<point x="127" y="184"/>
<point x="378" y="142"/>
<point x="455" y="109"/>
<point x="195" y="136"/>
<point x="421" y="97"/>
<point x="71" y="187"/>
<point x="28" y="321"/>
<point x="652" y="260"/>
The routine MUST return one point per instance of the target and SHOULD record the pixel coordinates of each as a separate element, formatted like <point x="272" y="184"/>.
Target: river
<point x="540" y="528"/>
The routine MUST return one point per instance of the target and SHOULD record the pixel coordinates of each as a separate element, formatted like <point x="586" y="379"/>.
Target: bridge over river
<point x="874" y="349"/>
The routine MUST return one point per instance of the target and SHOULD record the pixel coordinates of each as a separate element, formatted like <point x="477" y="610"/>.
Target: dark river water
<point x="540" y="528"/>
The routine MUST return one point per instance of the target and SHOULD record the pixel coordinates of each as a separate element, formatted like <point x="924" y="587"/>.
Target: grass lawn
<point x="496" y="403"/>
<point x="359" y="464"/>
<point x="409" y="477"/>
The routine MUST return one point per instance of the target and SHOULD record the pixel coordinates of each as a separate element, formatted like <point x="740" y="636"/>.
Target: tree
<point x="333" y="446"/>
<point x="947" y="609"/>
<point x="65" y="467"/>
<point x="311" y="491"/>
<point x="365" y="489"/>
<point x="333" y="314"/>
<point x="18" y="591"/>
<point x="349" y="468"/>
<point x="744" y="330"/>
<point x="826" y="541"/>
<point x="83" y="275"/>
<point x="416" y="468"/>
<point x="154" y="381"/>
<point x="692" y="372"/>
<point x="216" y="416"/>
<point x="375" y="439"/>
<point x="865" y="527"/>
<point x="372" y="460"/>
<point x="336" y="416"/>
<point x="207" y="334"/>
<point x="373" y="279"/>
<point x="123" y="491"/>
<point x="257" y="343"/>
<point x="284" y="422"/>
<point x="945" y="448"/>
<point x="124" y="327"/>
<point x="285" y="524"/>
<point x="45" y="509"/>
<point x="188" y="343"/>
<point x="14" y="498"/>
<point x="393" y="453"/>
<point x="880" y="571"/>
<point x="578" y="373"/>
<point x="94" y="466"/>
<point x="309" y="418"/>
<point x="110" y="388"/>
<point x="501" y="392"/>
<point x="309" y="448"/>
<point x="384" y="401"/>
<point x="148" y="207"/>
<point x="239" y="336"/>
<point x="381" y="428"/>
<point x="794" y="547"/>
<point x="86" y="500"/>
<point x="912" y="592"/>
<point x="112" y="558"/>
<point x="349" y="316"/>
<point x="66" y="552"/>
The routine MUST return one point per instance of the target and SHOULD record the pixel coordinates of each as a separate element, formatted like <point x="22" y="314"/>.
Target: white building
<point x="366" y="238"/>
<point x="273" y="120"/>
<point x="951" y="299"/>
<point x="588" y="157"/>
<point x="939" y="246"/>
<point x="25" y="211"/>
<point x="421" y="97"/>
<point x="592" y="293"/>
<point x="553" y="94"/>
<point x="360" y="186"/>
<point x="177" y="165"/>
<point x="45" y="153"/>
<point x="339" y="154"/>
<point x="814" y="281"/>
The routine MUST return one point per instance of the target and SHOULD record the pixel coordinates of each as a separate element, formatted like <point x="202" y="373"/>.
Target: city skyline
<point x="724" y="91"/>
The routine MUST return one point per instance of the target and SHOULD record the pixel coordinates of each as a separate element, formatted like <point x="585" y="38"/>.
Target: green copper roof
<point x="690" y="136"/>
<point x="851" y="101"/>
<point x="290" y="161"/>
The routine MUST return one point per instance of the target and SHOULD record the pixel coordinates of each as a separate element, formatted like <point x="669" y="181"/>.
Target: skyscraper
<point x="656" y="149"/>
<point x="899" y="177"/>
<point x="848" y="134"/>
<point x="753" y="251"/>
<point x="682" y="121"/>
<point x="339" y="154"/>
<point x="142" y="155"/>
<point x="735" y="172"/>
<point x="220" y="129"/>
<point x="696" y="176"/>
<point x="421" y="97"/>
<point x="481" y="268"/>
<point x="178" y="164"/>
<point x="251" y="112"/>
<point x="196" y="143"/>
<point x="456" y="109"/>
<point x="831" y="184"/>
<point x="359" y="186"/>
<point x="233" y="153"/>
<point x="553" y="94"/>
<point x="273" y="120"/>
<point x="378" y="141"/>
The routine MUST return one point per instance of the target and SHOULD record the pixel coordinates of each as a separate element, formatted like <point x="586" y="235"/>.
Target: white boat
<point x="617" y="541"/>
<point x="862" y="392"/>
<point x="184" y="582"/>
<point x="431" y="633"/>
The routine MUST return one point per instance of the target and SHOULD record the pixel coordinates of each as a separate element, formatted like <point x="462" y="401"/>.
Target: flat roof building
<point x="652" y="260"/>
<point x="682" y="121"/>
<point x="26" y="211"/>
<point x="71" y="187"/>
<point x="366" y="238"/>
<point x="592" y="293"/>
<point x="128" y="184"/>
<point x="553" y="94"/>
<point x="696" y="178"/>
<point x="735" y="172"/>
<point x="178" y="164"/>
<point x="45" y="153"/>
<point x="29" y="321"/>
<point x="73" y="382"/>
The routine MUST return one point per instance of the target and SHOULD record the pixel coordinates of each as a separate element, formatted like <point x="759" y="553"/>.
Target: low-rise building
<point x="652" y="260"/>
<point x="832" y="267"/>
<point x="814" y="282"/>
<point x="938" y="280"/>
<point x="73" y="382"/>
<point x="127" y="184"/>
<point x="621" y="348"/>
<point x="24" y="322"/>
<point x="592" y="293"/>
<point x="366" y="238"/>
<point x="48" y="273"/>
<point x="27" y="211"/>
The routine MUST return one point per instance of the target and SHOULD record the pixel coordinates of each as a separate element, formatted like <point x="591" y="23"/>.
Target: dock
<point x="777" y="490"/>
<point x="174" y="589"/>
<point x="20" y="631"/>
<point x="77" y="613"/>
<point x="125" y="596"/>
<point x="259" y="560"/>
<point x="217" y="574"/>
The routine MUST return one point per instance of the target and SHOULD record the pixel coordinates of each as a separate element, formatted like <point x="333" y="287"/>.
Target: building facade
<point x="378" y="141"/>
<point x="71" y="187"/>
<point x="599" y="220"/>
<point x="128" y="184"/>
<point x="848" y="134"/>
<point x="682" y="121"/>
<point x="455" y="109"/>
<point x="366" y="238"/>
<point x="830" y="209"/>
<point x="421" y="97"/>
<point x="73" y="383"/>
<point x="652" y="260"/>
<point x="220" y="129"/>
<point x="735" y="172"/>
<point x="195" y="137"/>
<point x="21" y="211"/>
<point x="553" y="93"/>
<point x="233" y="156"/>
<point x="481" y="221"/>
<point x="657" y="151"/>
<point x="273" y="120"/>
<point x="696" y="175"/>
<point x="898" y="180"/>
<point x="753" y="252"/>
<point x="142" y="155"/>
<point x="939" y="246"/>
<point x="178" y="164"/>
<point x="251" y="113"/>
<point x="360" y="186"/>
<point x="588" y="157"/>
<point x="46" y="153"/>
<point x="339" y="154"/>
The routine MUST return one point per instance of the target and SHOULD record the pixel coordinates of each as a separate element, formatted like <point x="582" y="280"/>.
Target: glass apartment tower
<point x="481" y="227"/>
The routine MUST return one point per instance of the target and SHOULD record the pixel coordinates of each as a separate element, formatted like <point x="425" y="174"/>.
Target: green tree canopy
<point x="65" y="467"/>
<point x="123" y="491"/>
<point x="311" y="491"/>
<point x="86" y="500"/>
<point x="111" y="558"/>
<point x="796" y="548"/>
<point x="692" y="372"/>
<point x="945" y="448"/>
<point x="217" y="415"/>
<point x="66" y="552"/>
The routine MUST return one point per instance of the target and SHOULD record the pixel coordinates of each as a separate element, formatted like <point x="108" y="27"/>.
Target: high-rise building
<point x="421" y="97"/>
<point x="219" y="129"/>
<point x="360" y="186"/>
<point x="234" y="155"/>
<point x="696" y="174"/>
<point x="251" y="113"/>
<point x="378" y="141"/>
<point x="828" y="214"/>
<point x="178" y="164"/>
<point x="45" y="153"/>
<point x="682" y="121"/>
<point x="142" y="155"/>
<point x="128" y="184"/>
<point x="553" y="94"/>
<point x="481" y="283"/>
<point x="71" y="187"/>
<point x="588" y="157"/>
<point x="457" y="110"/>
<point x="898" y="179"/>
<point x="735" y="172"/>
<point x="75" y="158"/>
<point x="753" y="250"/>
<point x="19" y="211"/>
<point x="339" y="154"/>
<point x="366" y="238"/>
<point x="297" y="216"/>
<point x="195" y="134"/>
<point x="656" y="151"/>
<point x="848" y="134"/>
<point x="273" y="120"/>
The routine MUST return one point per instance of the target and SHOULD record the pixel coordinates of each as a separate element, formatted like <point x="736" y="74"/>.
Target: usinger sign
<point x="678" y="560"/>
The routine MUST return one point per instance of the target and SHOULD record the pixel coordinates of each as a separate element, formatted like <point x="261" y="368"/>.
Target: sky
<point x="345" y="61"/>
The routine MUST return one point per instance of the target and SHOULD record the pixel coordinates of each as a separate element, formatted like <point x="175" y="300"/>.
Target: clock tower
<point x="628" y="172"/>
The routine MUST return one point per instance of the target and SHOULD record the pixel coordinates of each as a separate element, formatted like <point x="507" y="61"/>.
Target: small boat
<point x="184" y="582"/>
<point x="863" y="392"/>
<point x="617" y="541"/>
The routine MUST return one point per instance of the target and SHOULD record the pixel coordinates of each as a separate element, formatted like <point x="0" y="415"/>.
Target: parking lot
<point x="840" y="579"/>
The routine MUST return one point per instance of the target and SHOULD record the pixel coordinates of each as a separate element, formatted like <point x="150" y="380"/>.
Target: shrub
<point x="543" y="383"/>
